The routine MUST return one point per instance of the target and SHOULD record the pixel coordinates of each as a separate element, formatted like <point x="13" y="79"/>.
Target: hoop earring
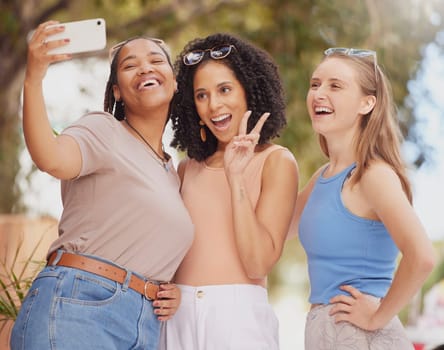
<point x="203" y="133"/>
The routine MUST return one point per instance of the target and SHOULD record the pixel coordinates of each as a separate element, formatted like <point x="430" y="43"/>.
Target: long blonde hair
<point x="379" y="136"/>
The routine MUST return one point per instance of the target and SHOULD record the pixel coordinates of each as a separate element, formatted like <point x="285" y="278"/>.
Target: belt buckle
<point x="150" y="290"/>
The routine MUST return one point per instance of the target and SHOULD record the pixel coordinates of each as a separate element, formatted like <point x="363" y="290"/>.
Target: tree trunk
<point x="10" y="143"/>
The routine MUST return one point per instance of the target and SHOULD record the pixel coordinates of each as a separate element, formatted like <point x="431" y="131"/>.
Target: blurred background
<point x="408" y="36"/>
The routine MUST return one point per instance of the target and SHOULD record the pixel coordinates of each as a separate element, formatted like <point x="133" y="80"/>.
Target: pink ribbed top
<point x="213" y="257"/>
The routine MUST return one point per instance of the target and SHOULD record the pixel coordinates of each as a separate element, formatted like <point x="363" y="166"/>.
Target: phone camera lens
<point x="99" y="23"/>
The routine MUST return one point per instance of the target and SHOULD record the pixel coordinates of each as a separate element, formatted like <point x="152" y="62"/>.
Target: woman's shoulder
<point x="275" y="152"/>
<point x="189" y="168"/>
<point x="96" y="117"/>
<point x="379" y="175"/>
<point x="279" y="160"/>
<point x="188" y="164"/>
<point x="183" y="163"/>
<point x="96" y="122"/>
<point x="377" y="169"/>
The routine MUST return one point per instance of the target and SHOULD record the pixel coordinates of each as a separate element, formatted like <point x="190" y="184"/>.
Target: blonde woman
<point x="355" y="214"/>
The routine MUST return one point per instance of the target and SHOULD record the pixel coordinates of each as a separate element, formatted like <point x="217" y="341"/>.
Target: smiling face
<point x="220" y="100"/>
<point x="335" y="100"/>
<point x="145" y="78"/>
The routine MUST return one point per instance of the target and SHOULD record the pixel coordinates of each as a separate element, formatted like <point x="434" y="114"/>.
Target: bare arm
<point x="260" y="233"/>
<point x="58" y="156"/>
<point x="382" y="188"/>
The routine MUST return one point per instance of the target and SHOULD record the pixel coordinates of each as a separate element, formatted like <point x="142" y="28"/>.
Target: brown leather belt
<point x="147" y="288"/>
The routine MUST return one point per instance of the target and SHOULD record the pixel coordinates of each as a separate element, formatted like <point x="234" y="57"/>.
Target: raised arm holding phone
<point x="124" y="228"/>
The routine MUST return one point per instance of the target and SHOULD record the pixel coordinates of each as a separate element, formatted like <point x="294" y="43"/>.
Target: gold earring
<point x="203" y="133"/>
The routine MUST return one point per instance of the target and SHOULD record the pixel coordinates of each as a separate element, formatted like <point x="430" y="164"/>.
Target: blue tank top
<point x="343" y="248"/>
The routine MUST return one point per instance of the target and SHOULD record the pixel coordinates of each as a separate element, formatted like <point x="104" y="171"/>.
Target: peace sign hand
<point x="240" y="150"/>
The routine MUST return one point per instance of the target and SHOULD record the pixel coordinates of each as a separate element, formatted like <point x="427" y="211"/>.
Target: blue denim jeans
<point x="71" y="309"/>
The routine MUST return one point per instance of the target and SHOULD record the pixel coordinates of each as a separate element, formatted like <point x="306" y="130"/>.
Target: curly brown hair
<point x="256" y="72"/>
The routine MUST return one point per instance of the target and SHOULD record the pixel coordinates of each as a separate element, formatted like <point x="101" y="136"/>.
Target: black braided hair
<point x="110" y="104"/>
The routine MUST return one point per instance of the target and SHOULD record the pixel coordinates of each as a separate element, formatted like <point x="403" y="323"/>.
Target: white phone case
<point x="85" y="35"/>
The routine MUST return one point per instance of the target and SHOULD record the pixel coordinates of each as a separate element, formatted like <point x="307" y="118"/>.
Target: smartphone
<point x="85" y="36"/>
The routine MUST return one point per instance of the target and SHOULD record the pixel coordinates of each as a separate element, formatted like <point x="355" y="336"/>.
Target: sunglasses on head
<point x="113" y="50"/>
<point x="216" y="53"/>
<point x="353" y="52"/>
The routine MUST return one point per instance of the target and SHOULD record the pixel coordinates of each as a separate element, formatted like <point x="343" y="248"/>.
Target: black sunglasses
<point x="217" y="53"/>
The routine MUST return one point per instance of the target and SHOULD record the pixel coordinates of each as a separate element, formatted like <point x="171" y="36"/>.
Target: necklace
<point x="163" y="161"/>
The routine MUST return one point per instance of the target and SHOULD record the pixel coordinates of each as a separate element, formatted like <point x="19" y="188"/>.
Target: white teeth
<point x="149" y="82"/>
<point x="323" y="109"/>
<point x="221" y="117"/>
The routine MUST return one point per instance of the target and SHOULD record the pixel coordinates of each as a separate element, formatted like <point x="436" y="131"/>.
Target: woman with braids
<point x="355" y="214"/>
<point x="240" y="190"/>
<point x="124" y="228"/>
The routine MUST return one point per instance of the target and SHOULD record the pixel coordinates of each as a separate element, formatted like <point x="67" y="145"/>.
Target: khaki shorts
<point x="222" y="317"/>
<point x="322" y="333"/>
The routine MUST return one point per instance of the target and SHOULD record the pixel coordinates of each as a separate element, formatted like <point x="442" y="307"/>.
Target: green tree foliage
<point x="294" y="32"/>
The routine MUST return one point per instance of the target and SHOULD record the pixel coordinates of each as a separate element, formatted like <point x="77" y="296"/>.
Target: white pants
<point x="222" y="317"/>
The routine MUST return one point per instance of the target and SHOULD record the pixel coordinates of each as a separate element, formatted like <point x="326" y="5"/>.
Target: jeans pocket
<point x="91" y="290"/>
